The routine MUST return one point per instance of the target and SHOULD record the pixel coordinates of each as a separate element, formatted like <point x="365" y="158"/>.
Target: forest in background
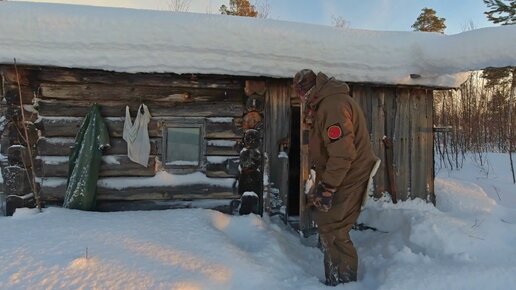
<point x="479" y="116"/>
<point x="476" y="118"/>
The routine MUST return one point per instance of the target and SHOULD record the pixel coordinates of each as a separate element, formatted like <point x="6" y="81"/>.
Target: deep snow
<point x="466" y="242"/>
<point x="133" y="40"/>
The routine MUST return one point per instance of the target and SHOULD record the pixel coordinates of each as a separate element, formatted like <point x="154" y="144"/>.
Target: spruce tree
<point x="429" y="22"/>
<point x="504" y="14"/>
<point x="500" y="12"/>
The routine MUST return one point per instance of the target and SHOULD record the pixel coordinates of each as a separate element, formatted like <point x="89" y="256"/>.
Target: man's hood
<point x="325" y="87"/>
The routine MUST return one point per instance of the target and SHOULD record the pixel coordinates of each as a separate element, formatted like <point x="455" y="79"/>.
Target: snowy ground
<point x="466" y="242"/>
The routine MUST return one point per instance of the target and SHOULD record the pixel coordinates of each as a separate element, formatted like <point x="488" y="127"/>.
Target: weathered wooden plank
<point x="62" y="146"/>
<point x="390" y="112"/>
<point x="390" y="124"/>
<point x="277" y="120"/>
<point x="224" y="128"/>
<point x="427" y="144"/>
<point x="222" y="166"/>
<point x="377" y="133"/>
<point x="360" y="94"/>
<point x="69" y="126"/>
<point x="424" y="133"/>
<point x="105" y="92"/>
<point x="402" y="143"/>
<point x="53" y="189"/>
<point x="416" y="162"/>
<point x="373" y="101"/>
<point x="55" y="108"/>
<point x="426" y="151"/>
<point x="421" y="145"/>
<point x="305" y="219"/>
<point x="223" y="147"/>
<point x="422" y="149"/>
<point x="369" y="107"/>
<point x="63" y="75"/>
<point x="111" y="165"/>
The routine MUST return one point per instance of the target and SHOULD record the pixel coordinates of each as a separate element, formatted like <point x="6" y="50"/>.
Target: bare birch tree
<point x="339" y="22"/>
<point x="263" y="7"/>
<point x="179" y="5"/>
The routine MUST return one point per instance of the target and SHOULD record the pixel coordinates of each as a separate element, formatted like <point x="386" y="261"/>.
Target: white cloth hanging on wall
<point x="137" y="135"/>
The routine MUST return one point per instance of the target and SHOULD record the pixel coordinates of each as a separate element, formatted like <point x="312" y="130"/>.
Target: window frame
<point x="184" y="123"/>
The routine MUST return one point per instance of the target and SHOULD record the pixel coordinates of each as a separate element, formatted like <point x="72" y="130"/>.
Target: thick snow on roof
<point x="131" y="40"/>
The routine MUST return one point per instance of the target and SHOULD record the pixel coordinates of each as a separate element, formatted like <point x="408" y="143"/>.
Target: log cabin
<point x="225" y="123"/>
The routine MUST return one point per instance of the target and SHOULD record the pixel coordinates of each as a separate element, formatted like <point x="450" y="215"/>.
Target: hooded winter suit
<point x="341" y="152"/>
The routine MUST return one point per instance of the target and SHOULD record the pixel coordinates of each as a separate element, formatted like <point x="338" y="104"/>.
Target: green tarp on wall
<point x="84" y="162"/>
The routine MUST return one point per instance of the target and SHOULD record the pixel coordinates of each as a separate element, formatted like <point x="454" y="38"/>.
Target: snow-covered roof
<point x="130" y="40"/>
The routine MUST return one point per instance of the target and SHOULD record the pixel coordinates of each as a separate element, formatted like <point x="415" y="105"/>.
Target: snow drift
<point x="130" y="40"/>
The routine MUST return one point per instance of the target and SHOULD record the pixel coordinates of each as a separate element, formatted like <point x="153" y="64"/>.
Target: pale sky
<point x="396" y="15"/>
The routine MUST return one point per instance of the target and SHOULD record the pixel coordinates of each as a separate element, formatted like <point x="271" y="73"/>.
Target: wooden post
<point x="306" y="223"/>
<point x="283" y="186"/>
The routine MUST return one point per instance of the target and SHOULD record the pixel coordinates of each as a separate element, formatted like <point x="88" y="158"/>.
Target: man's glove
<point x="323" y="197"/>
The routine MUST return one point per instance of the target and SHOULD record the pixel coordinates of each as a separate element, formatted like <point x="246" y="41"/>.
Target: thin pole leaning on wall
<point x="27" y="140"/>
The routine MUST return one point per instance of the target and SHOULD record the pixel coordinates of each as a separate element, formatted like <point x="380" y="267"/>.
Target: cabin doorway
<point x="294" y="163"/>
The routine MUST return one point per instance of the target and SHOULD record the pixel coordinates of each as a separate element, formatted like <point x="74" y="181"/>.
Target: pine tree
<point x="239" y="8"/>
<point x="504" y="14"/>
<point x="427" y="21"/>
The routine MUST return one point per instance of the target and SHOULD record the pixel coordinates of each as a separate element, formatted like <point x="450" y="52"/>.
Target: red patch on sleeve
<point x="334" y="132"/>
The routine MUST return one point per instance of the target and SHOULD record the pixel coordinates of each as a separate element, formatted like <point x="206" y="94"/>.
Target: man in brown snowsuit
<point x="341" y="153"/>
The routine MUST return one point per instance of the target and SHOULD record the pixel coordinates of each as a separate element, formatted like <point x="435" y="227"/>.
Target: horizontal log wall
<point x="62" y="97"/>
<point x="110" y="165"/>
<point x="223" y="147"/>
<point x="61" y="146"/>
<point x="53" y="189"/>
<point x="116" y="108"/>
<point x="222" y="205"/>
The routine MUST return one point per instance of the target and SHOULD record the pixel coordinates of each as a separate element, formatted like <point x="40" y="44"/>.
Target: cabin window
<point x="183" y="146"/>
